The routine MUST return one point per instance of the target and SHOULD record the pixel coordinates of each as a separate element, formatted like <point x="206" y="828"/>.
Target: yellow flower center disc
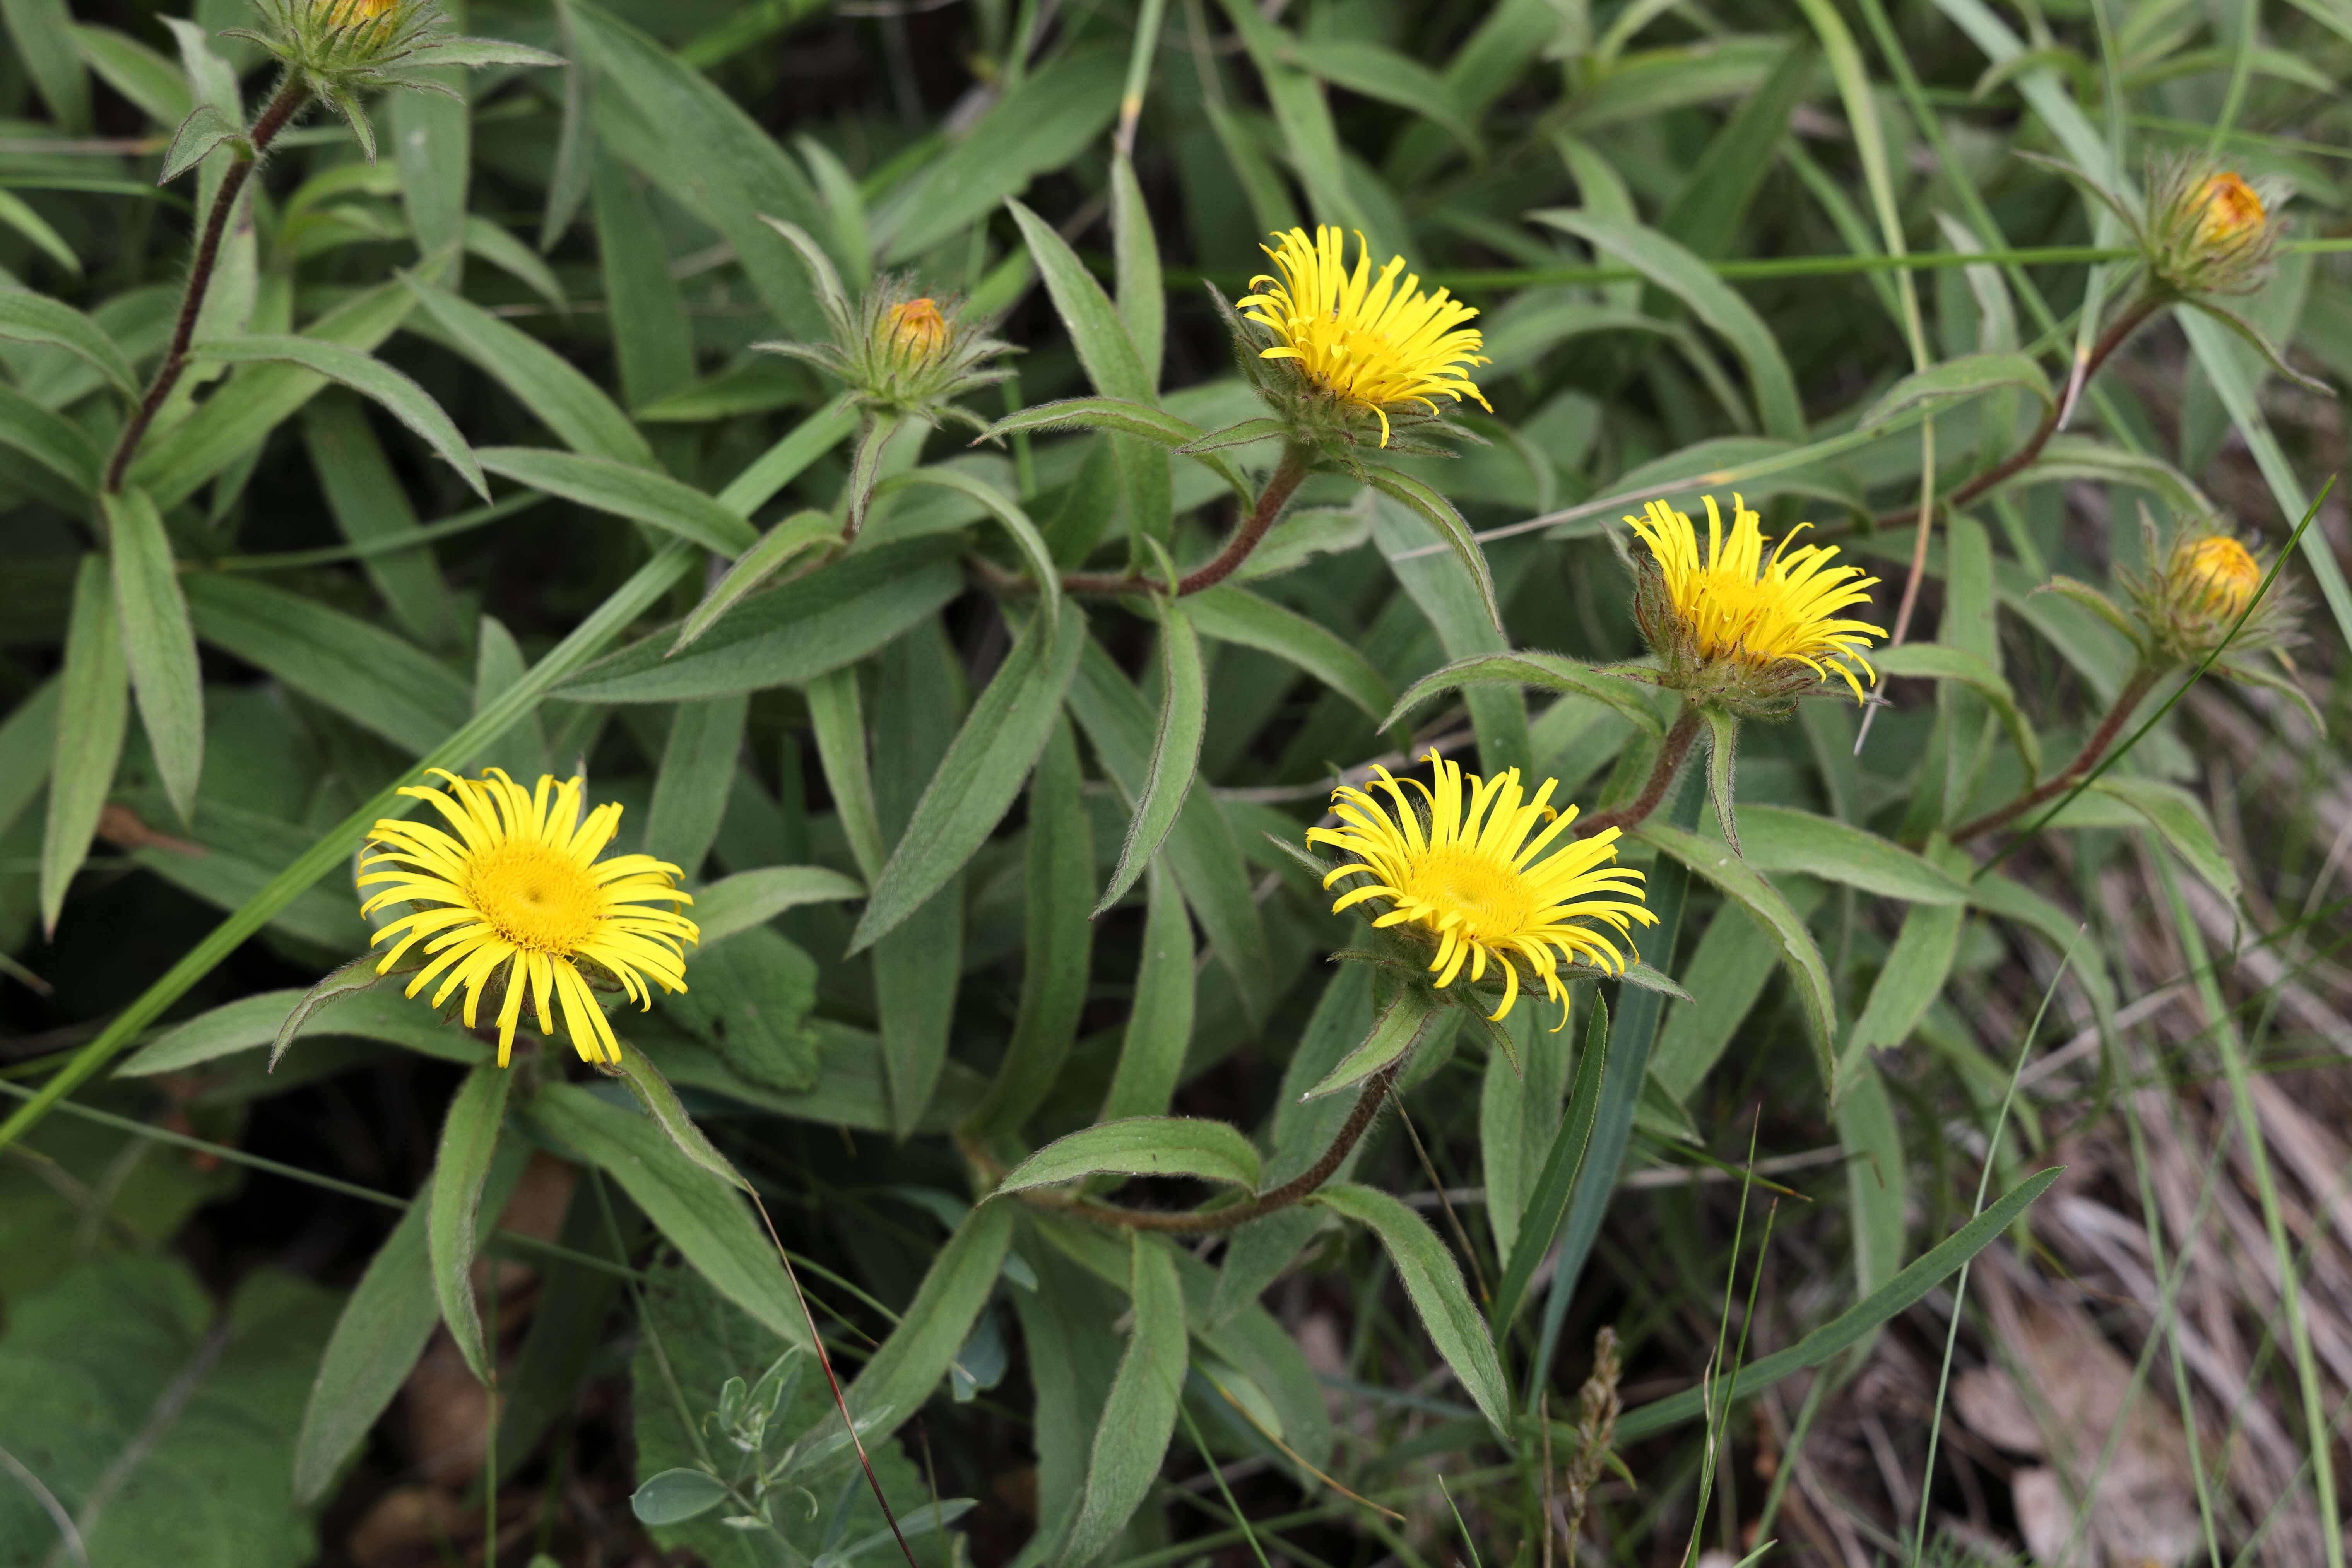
<point x="535" y="898"/>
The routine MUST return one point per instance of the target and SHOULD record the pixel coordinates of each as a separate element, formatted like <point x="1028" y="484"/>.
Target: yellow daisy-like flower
<point x="1462" y="868"/>
<point x="518" y="895"/>
<point x="918" y="330"/>
<point x="1738" y="604"/>
<point x="1367" y="341"/>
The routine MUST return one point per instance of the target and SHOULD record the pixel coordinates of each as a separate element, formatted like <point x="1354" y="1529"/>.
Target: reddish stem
<point x="292" y="93"/>
<point x="1671" y="753"/>
<point x="2142" y="682"/>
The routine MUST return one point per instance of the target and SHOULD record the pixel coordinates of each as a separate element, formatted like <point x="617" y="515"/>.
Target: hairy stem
<point x="1671" y="753"/>
<point x="1202" y="1222"/>
<point x="282" y="108"/>
<point x="1279" y="488"/>
<point x="2142" y="679"/>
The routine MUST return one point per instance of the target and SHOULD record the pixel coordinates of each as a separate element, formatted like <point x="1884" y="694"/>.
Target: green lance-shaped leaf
<point x="890" y="1391"/>
<point x="1935" y="661"/>
<point x="367" y="375"/>
<point x="1433" y="1280"/>
<point x="1722" y="754"/>
<point x="222" y="430"/>
<point x="749" y="899"/>
<point x="2180" y="818"/>
<point x="1160" y="1024"/>
<point x="975" y="782"/>
<point x="1058" y="949"/>
<point x="1142" y="296"/>
<point x="703" y="1216"/>
<point x="1009" y="516"/>
<point x="1451" y="526"/>
<point x="93" y="702"/>
<point x="345" y="980"/>
<point x="1175" y="753"/>
<point x="1139" y="1416"/>
<point x="158" y="644"/>
<point x="661" y="1104"/>
<point x="559" y="395"/>
<point x="837" y="714"/>
<point x="1714" y="302"/>
<point x="30" y="318"/>
<point x="1400" y="1026"/>
<point x="788" y="634"/>
<point x="1122" y="417"/>
<point x="1781" y="838"/>
<point x="51" y="439"/>
<point x="802" y="531"/>
<point x="1917" y="966"/>
<point x="28" y="739"/>
<point x="379" y="681"/>
<point x="1378" y="71"/>
<point x="1563" y="1165"/>
<point x="1142" y="1146"/>
<point x="1199" y="849"/>
<point x="469" y="1138"/>
<point x="1744" y="885"/>
<point x="1546" y="672"/>
<point x="385" y="1321"/>
<point x="625" y="489"/>
<point x="697" y="774"/>
<point x="1924" y="1273"/>
<point x="1969" y="375"/>
<point x="1237" y="616"/>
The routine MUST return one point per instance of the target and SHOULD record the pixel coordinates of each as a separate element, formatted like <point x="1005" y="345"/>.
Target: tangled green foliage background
<point x="468" y="454"/>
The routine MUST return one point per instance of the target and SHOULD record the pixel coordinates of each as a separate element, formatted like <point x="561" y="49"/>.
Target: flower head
<point x="516" y="901"/>
<point x="1741" y="628"/>
<point x="1365" y="342"/>
<point x="2209" y="230"/>
<point x="341" y="48"/>
<point x="1459" y="871"/>
<point x="2204" y="580"/>
<point x="897" y="351"/>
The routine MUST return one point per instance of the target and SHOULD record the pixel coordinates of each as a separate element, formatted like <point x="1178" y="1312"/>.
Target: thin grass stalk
<point x="2320" y="1434"/>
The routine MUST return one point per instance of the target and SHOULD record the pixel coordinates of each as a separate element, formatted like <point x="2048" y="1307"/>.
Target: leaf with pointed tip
<point x="30" y="318"/>
<point x="352" y="978"/>
<point x="821" y="270"/>
<point x="1234" y="615"/>
<point x="1183" y="716"/>
<point x="1545" y="671"/>
<point x="802" y="531"/>
<point x="1400" y="1027"/>
<point x="1142" y="1146"/>
<point x="204" y="129"/>
<point x="1009" y="515"/>
<point x="748" y="898"/>
<point x="157" y="643"/>
<point x="475" y="52"/>
<point x="93" y="702"/>
<point x="626" y="491"/>
<point x="1451" y="526"/>
<point x="470" y="1137"/>
<point x="1967" y="376"/>
<point x="368" y="375"/>
<point x="1722" y="752"/>
<point x="661" y="1104"/>
<point x="1935" y="662"/>
<point x="1433" y="1282"/>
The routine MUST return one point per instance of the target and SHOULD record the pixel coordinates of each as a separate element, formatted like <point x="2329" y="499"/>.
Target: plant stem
<point x="2142" y="679"/>
<point x="2124" y="325"/>
<point x="1199" y="1223"/>
<point x="1671" y="753"/>
<point x="291" y="94"/>
<point x="1279" y="488"/>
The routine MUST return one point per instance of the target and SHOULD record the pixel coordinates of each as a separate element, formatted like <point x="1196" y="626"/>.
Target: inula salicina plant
<point x="1088" y="781"/>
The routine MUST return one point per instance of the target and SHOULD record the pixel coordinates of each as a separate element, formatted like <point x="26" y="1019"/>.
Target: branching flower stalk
<point x="2142" y="680"/>
<point x="1672" y="751"/>
<point x="292" y="94"/>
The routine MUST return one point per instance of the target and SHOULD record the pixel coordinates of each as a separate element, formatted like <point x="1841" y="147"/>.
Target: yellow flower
<point x="1465" y="873"/>
<point x="1365" y="341"/>
<point x="2230" y="210"/>
<point x="351" y="13"/>
<point x="1735" y="604"/>
<point x="2220" y="572"/>
<point x="517" y="895"/>
<point x="917" y="328"/>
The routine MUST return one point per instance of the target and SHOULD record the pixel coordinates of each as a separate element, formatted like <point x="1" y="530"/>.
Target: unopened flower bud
<point x="2218" y="572"/>
<point x="917" y="330"/>
<point x="2231" y="210"/>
